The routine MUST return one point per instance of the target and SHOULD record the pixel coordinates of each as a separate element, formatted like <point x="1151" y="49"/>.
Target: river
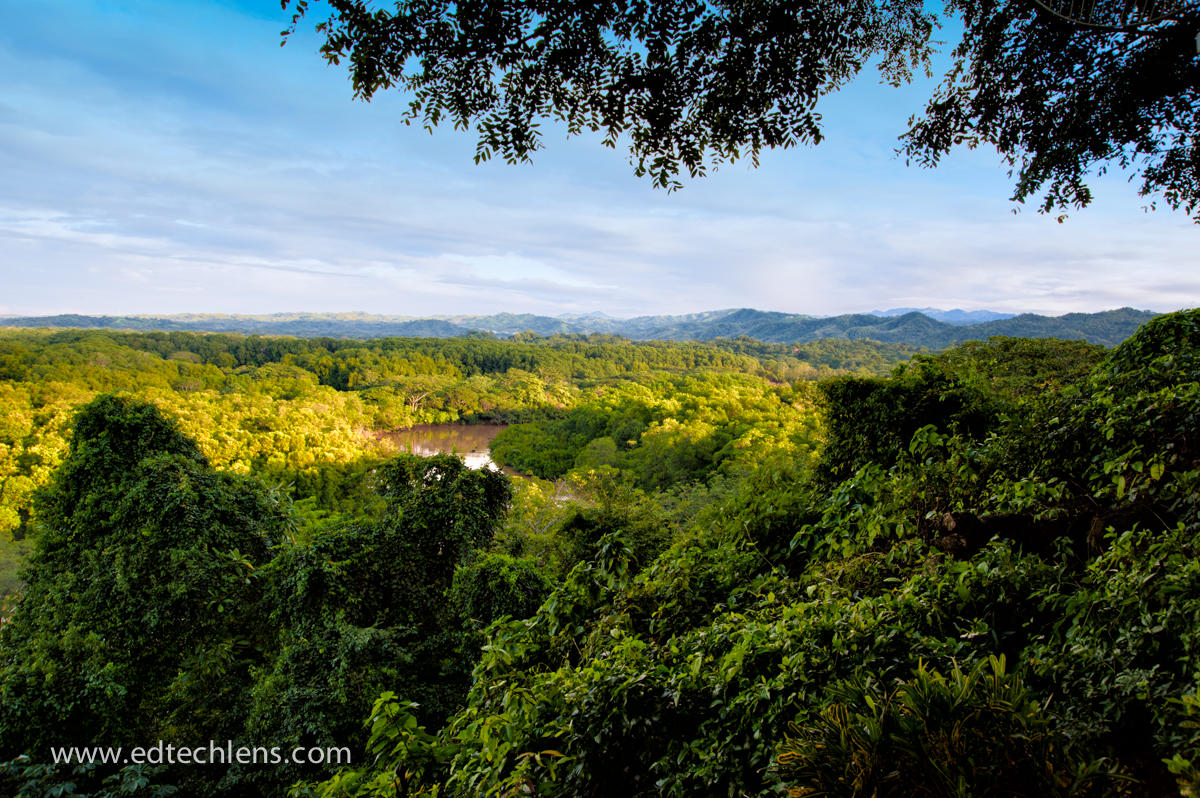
<point x="469" y="441"/>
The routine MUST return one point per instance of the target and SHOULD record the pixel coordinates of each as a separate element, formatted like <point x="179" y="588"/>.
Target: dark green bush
<point x="978" y="732"/>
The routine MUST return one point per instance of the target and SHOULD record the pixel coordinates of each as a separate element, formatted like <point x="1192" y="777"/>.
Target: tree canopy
<point x="691" y="84"/>
<point x="980" y="575"/>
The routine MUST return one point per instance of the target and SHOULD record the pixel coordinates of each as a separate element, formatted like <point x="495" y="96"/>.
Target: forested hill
<point x="1109" y="327"/>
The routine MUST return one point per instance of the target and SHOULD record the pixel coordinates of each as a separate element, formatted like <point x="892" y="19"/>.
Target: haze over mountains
<point x="955" y="316"/>
<point x="928" y="327"/>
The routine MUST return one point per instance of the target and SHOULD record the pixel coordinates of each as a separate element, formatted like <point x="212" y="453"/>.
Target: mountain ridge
<point x="915" y="327"/>
<point x="956" y="316"/>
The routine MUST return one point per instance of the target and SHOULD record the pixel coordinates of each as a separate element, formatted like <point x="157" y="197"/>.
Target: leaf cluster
<point x="689" y="84"/>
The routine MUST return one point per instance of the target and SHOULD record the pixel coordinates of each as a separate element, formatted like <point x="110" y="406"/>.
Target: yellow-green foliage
<point x="299" y="413"/>
<point x="671" y="430"/>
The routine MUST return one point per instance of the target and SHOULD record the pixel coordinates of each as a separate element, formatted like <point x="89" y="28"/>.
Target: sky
<point x="170" y="157"/>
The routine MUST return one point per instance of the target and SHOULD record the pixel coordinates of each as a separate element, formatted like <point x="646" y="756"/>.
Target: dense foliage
<point x="165" y="601"/>
<point x="675" y="430"/>
<point x="980" y="576"/>
<point x="1015" y="597"/>
<point x="298" y="412"/>
<point x="144" y="561"/>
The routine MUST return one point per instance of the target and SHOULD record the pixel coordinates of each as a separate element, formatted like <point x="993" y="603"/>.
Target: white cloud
<point x="151" y="180"/>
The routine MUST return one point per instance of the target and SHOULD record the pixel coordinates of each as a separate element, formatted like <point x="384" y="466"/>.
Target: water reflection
<point x="468" y="441"/>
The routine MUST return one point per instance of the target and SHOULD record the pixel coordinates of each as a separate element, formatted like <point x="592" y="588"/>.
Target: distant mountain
<point x="911" y="327"/>
<point x="302" y="325"/>
<point x="595" y="314"/>
<point x="956" y="316"/>
<point x="512" y="323"/>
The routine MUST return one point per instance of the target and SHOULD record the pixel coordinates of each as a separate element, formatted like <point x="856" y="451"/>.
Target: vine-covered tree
<point x="137" y="615"/>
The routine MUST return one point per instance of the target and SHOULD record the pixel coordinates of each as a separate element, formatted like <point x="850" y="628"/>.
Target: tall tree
<point x="137" y="614"/>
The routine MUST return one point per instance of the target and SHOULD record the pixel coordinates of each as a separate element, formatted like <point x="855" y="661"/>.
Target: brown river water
<point x="468" y="441"/>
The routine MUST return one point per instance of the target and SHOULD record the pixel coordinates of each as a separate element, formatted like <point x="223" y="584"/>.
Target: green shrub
<point x="978" y="732"/>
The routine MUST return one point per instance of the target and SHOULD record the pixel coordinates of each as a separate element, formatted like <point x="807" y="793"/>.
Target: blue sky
<point x="164" y="157"/>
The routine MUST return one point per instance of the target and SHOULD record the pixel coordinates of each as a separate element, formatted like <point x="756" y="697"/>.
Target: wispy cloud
<point x="170" y="157"/>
